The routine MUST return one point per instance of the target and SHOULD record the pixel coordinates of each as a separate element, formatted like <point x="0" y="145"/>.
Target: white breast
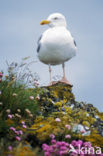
<point x="56" y="46"/>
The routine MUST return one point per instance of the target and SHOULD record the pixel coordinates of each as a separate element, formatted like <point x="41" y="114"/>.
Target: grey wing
<point x="75" y="43"/>
<point x="39" y="44"/>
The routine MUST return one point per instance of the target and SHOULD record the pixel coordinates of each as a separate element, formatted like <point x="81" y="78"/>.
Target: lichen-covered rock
<point x="59" y="108"/>
<point x="53" y="98"/>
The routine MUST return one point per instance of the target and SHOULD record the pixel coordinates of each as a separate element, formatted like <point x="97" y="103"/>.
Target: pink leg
<point x="64" y="80"/>
<point x="50" y="75"/>
<point x="63" y="66"/>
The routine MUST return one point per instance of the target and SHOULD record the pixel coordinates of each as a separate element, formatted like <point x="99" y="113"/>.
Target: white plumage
<point x="56" y="45"/>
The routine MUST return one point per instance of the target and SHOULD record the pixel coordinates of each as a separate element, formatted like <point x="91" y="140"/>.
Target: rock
<point x="59" y="96"/>
<point x="87" y="133"/>
<point x="72" y="106"/>
<point x="78" y="128"/>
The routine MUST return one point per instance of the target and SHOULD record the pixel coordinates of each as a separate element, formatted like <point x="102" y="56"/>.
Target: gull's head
<point x="54" y="20"/>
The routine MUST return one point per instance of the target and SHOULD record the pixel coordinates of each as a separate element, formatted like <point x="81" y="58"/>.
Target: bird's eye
<point x="55" y="18"/>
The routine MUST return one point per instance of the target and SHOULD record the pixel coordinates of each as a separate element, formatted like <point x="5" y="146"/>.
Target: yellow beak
<point x="44" y="22"/>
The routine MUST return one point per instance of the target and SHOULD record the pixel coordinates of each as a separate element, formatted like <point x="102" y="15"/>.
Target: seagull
<point x="56" y="45"/>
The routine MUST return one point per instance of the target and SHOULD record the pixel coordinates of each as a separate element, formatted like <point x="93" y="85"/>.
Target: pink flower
<point x="59" y="143"/>
<point x="45" y="147"/>
<point x="24" y="126"/>
<point x="68" y="136"/>
<point x="17" y="132"/>
<point x="31" y="97"/>
<point x="63" y="148"/>
<point x="10" y="116"/>
<point x="87" y="144"/>
<point x="10" y="148"/>
<point x="23" y="123"/>
<point x="80" y="142"/>
<point x="53" y="141"/>
<point x="52" y="136"/>
<point x="47" y="154"/>
<point x="14" y="94"/>
<point x="63" y="143"/>
<point x="68" y="127"/>
<point x="74" y="143"/>
<point x="18" y="138"/>
<point x="1" y="74"/>
<point x="54" y="146"/>
<point x="57" y="120"/>
<point x="83" y="131"/>
<point x="36" y="83"/>
<point x="74" y="154"/>
<point x="20" y="132"/>
<point x="62" y="153"/>
<point x="13" y="129"/>
<point x="37" y="97"/>
<point x="8" y="110"/>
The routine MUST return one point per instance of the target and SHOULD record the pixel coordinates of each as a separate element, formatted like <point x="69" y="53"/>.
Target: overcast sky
<point x="20" y="29"/>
